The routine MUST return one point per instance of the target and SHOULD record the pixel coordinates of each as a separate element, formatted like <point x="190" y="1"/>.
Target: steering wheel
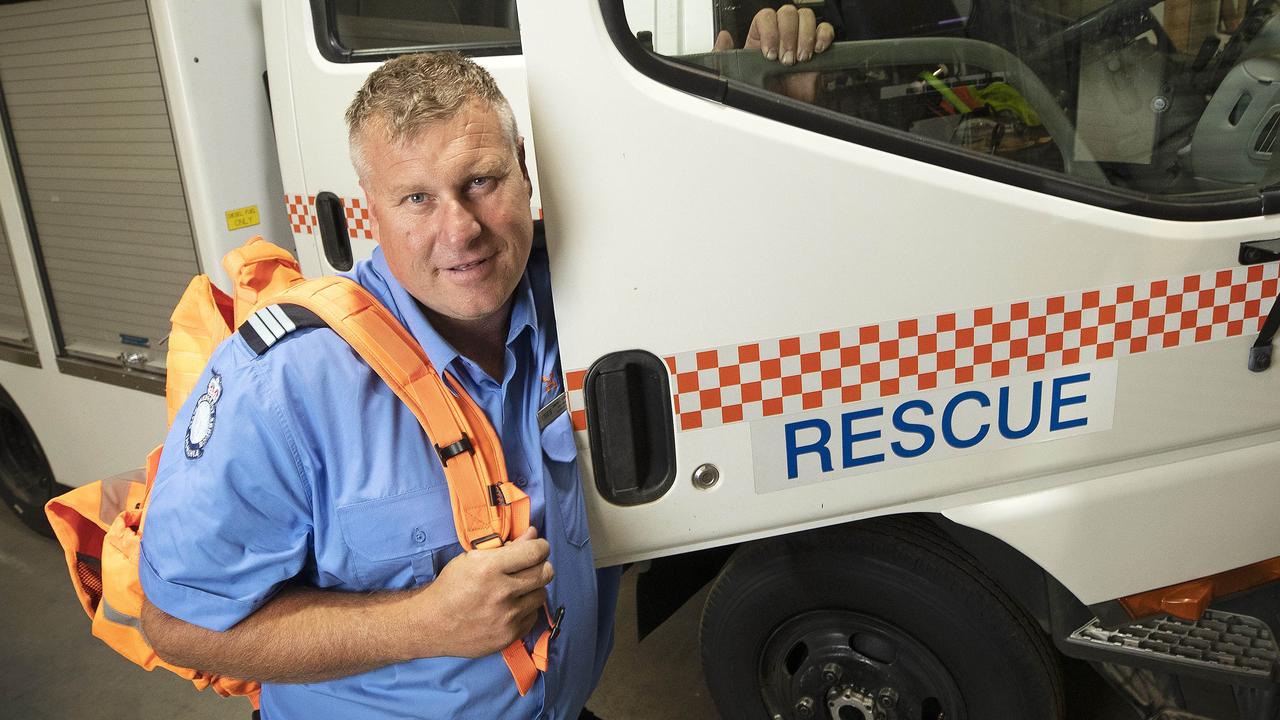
<point x="1123" y="18"/>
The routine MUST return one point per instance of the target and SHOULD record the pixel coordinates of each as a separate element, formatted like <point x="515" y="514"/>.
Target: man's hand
<point x="792" y="34"/>
<point x="485" y="599"/>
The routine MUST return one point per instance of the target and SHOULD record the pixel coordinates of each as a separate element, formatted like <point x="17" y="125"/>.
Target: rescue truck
<point x="940" y="355"/>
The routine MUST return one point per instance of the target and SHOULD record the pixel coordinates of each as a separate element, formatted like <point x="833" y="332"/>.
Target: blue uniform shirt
<point x="302" y="464"/>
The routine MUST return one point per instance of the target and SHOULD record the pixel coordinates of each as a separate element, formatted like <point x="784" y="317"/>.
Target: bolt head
<point x="706" y="476"/>
<point x="804" y="707"/>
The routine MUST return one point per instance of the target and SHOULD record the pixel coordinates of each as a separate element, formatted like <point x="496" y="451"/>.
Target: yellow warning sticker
<point x="242" y="217"/>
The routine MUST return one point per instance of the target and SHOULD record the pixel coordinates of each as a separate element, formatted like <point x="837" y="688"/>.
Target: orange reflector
<point x="1190" y="599"/>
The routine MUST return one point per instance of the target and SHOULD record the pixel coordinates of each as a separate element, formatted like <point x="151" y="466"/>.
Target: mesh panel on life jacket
<point x="91" y="580"/>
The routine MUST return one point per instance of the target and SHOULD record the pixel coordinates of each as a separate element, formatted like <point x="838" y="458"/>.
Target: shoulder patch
<point x="200" y="427"/>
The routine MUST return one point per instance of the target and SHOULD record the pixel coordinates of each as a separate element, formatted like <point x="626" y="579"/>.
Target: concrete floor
<point x="52" y="669"/>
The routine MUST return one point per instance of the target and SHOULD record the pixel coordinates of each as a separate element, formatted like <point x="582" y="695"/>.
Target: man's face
<point x="450" y="209"/>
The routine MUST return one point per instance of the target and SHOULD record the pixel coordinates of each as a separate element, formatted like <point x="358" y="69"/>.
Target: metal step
<point x="1227" y="647"/>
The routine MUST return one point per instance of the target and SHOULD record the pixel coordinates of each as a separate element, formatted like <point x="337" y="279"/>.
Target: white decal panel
<point x="859" y="438"/>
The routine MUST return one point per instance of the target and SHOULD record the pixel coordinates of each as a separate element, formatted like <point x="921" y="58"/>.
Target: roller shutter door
<point x="87" y="109"/>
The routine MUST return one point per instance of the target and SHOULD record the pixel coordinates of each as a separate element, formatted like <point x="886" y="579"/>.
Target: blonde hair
<point x="411" y="92"/>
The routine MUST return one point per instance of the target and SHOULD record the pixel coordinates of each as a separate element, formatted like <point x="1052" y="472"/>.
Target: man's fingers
<point x="724" y="41"/>
<point x="788" y="33"/>
<point x="826" y="34"/>
<point x="764" y="33"/>
<point x="528" y="607"/>
<point x="532" y="602"/>
<point x="517" y="556"/>
<point x="530" y="533"/>
<point x="806" y="34"/>
<point x="532" y="578"/>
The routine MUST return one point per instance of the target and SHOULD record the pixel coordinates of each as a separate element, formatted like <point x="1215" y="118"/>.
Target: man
<point x="306" y="539"/>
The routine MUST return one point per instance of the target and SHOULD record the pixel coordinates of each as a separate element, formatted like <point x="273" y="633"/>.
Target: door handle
<point x="628" y="402"/>
<point x="1252" y="253"/>
<point x="334" y="236"/>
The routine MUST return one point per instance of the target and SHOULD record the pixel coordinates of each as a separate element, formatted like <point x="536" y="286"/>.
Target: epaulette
<point x="268" y="325"/>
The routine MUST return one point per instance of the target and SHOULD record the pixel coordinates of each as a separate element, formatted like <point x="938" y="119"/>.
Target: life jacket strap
<point x="489" y="511"/>
<point x="525" y="665"/>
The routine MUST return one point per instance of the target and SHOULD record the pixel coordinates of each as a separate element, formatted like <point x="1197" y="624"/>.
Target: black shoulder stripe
<point x="267" y="326"/>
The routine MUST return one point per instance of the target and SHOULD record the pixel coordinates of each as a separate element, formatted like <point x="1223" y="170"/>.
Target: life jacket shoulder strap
<point x="469" y="449"/>
<point x="488" y="511"/>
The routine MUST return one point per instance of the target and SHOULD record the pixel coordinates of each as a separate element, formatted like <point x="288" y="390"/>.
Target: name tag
<point x="552" y="410"/>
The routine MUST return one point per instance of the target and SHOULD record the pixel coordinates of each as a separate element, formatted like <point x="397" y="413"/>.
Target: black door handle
<point x="334" y="236"/>
<point x="1253" y="253"/>
<point x="633" y="452"/>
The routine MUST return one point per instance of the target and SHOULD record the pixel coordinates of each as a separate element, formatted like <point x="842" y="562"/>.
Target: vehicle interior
<point x="1176" y="98"/>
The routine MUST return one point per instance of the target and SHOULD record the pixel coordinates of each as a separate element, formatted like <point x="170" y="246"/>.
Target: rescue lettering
<point x="865" y="437"/>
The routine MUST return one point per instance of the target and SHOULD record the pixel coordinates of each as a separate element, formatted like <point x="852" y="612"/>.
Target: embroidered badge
<point x="550" y="384"/>
<point x="200" y="429"/>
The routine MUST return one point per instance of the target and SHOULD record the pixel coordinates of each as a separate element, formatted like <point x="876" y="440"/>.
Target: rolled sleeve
<point x="228" y="522"/>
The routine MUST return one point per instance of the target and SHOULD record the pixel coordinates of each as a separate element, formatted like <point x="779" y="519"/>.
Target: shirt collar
<point x="439" y="351"/>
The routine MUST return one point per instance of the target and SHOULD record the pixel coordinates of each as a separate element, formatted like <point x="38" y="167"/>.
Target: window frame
<point x="324" y="16"/>
<point x="739" y="95"/>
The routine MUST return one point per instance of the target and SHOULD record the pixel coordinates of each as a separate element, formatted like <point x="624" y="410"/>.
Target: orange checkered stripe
<point x="302" y="213"/>
<point x="302" y="216"/>
<point x="735" y="383"/>
<point x="359" y="225"/>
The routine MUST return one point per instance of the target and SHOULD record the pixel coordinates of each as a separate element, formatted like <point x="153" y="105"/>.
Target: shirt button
<point x="419" y="536"/>
<point x="521" y="481"/>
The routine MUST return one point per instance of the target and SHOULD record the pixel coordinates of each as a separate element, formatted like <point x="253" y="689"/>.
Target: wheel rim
<point x="843" y="665"/>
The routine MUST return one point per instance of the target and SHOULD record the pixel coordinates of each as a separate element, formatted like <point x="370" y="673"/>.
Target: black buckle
<point x="496" y="498"/>
<point x="485" y="539"/>
<point x="449" y="452"/>
<point x="555" y="622"/>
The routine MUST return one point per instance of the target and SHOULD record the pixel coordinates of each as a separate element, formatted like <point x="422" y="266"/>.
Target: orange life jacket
<point x="100" y="524"/>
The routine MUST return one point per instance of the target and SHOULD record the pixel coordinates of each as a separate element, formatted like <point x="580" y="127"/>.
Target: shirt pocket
<point x="561" y="452"/>
<point x="399" y="541"/>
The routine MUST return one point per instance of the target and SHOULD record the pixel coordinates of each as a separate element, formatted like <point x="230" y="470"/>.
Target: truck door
<point x="954" y="258"/>
<point x="319" y="53"/>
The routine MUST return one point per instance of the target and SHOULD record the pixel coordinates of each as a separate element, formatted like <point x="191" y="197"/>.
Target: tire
<point x="26" y="481"/>
<point x="881" y="620"/>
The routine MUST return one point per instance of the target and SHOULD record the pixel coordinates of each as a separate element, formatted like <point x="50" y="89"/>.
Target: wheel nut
<point x="804" y="707"/>
<point x="831" y="673"/>
<point x="887" y="698"/>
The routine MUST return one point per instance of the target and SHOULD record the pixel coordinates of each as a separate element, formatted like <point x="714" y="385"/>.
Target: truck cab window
<point x="479" y="26"/>
<point x="1173" y="100"/>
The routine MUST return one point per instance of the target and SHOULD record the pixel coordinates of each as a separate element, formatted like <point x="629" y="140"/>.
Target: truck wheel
<point x="882" y="620"/>
<point x="26" y="481"/>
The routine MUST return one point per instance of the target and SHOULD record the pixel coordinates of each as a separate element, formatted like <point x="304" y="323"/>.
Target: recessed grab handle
<point x="334" y="236"/>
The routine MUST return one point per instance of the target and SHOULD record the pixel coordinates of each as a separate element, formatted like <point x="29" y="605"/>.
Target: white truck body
<point x="847" y="331"/>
